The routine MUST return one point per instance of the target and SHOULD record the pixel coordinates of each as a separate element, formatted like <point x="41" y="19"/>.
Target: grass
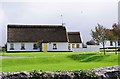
<point x="57" y="61"/>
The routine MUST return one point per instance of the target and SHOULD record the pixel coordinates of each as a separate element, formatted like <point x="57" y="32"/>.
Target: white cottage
<point x="37" y="38"/>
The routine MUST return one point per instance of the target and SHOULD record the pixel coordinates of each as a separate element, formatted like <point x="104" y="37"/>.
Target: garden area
<point x="56" y="61"/>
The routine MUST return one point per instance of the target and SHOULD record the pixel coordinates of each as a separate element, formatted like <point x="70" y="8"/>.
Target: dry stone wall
<point x="96" y="73"/>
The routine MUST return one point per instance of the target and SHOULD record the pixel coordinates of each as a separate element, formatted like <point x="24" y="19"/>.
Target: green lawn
<point x="57" y="61"/>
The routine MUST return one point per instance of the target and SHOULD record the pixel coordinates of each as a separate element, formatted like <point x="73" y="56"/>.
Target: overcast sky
<point x="78" y="15"/>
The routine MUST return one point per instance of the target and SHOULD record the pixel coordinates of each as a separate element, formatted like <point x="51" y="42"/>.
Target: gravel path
<point x="2" y="57"/>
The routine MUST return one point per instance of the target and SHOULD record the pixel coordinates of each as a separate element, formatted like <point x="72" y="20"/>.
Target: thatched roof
<point x="35" y="33"/>
<point x="74" y="37"/>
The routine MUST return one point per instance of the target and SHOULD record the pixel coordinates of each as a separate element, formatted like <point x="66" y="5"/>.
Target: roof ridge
<point x="36" y="26"/>
<point x="73" y="32"/>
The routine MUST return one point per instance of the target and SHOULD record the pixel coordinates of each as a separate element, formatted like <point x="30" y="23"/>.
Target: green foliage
<point x="116" y="30"/>
<point x="40" y="45"/>
<point x="57" y="61"/>
<point x="99" y="35"/>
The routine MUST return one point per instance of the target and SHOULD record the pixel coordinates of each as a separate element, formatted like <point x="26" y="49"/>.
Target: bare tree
<point x="99" y="35"/>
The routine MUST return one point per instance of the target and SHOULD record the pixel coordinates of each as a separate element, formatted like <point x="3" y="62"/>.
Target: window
<point x="69" y="46"/>
<point x="35" y="46"/>
<point x="54" y="46"/>
<point x="111" y="43"/>
<point x="119" y="43"/>
<point x="22" y="46"/>
<point x="11" y="46"/>
<point x="77" y="45"/>
<point x="84" y="45"/>
<point x="73" y="45"/>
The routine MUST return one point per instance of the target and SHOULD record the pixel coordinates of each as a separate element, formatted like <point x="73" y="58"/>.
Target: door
<point x="45" y="47"/>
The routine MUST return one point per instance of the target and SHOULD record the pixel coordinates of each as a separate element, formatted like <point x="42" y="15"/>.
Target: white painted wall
<point x="17" y="47"/>
<point x="90" y="48"/>
<point x="71" y="49"/>
<point x="61" y="46"/>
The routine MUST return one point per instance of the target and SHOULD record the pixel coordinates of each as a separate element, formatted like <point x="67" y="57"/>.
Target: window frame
<point x="118" y="42"/>
<point x="22" y="46"/>
<point x="77" y="45"/>
<point x="35" y="46"/>
<point x="69" y="46"/>
<point x="54" y="46"/>
<point x="73" y="45"/>
<point x="11" y="46"/>
<point x="111" y="43"/>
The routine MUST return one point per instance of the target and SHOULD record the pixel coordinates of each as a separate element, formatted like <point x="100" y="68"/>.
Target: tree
<point x="99" y="35"/>
<point x="110" y="34"/>
<point x="4" y="49"/>
<point x="116" y="31"/>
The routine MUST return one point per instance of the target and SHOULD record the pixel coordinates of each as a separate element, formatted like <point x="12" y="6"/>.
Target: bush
<point x="118" y="49"/>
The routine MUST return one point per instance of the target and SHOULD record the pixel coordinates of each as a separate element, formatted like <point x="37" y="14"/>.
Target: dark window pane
<point x="119" y="43"/>
<point x="54" y="46"/>
<point x="11" y="46"/>
<point x="111" y="43"/>
<point x="35" y="46"/>
<point x="22" y="46"/>
<point x="77" y="46"/>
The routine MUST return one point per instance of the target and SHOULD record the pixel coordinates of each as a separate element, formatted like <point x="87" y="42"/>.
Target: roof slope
<point x="74" y="37"/>
<point x="35" y="33"/>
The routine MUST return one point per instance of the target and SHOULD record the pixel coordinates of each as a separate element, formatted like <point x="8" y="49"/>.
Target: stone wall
<point x="96" y="73"/>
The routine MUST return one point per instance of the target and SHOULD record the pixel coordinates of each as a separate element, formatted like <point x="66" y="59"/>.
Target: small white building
<point x="37" y="38"/>
<point x="90" y="46"/>
<point x="110" y="44"/>
<point x="74" y="40"/>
